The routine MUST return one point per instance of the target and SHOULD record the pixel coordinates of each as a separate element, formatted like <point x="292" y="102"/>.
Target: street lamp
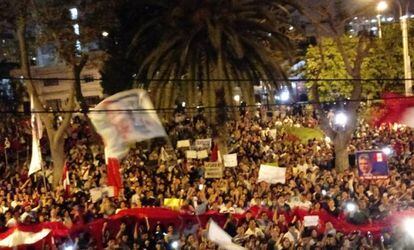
<point x="340" y="119"/>
<point x="381" y="6"/>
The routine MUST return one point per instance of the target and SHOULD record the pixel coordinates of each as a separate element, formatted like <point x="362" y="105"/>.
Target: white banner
<point x="272" y="174"/>
<point x="183" y="144"/>
<point x="37" y="131"/>
<point x="124" y="118"/>
<point x="203" y="143"/>
<point x="230" y="160"/>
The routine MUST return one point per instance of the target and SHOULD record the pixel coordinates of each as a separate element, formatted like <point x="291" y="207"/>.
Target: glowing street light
<point x="340" y="119"/>
<point x="236" y="98"/>
<point x="105" y="33"/>
<point x="380" y="8"/>
<point x="183" y="104"/>
<point x="284" y="96"/>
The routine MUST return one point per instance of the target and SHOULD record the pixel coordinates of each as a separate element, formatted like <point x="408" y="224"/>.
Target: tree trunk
<point x="58" y="159"/>
<point x="341" y="142"/>
<point x="77" y="70"/>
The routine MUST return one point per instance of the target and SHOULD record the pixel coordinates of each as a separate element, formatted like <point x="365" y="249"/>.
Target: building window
<point x="92" y="100"/>
<point x="54" y="104"/>
<point x="50" y="82"/>
<point x="88" y="78"/>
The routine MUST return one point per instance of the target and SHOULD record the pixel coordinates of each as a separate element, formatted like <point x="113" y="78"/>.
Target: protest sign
<point x="183" y="144"/>
<point x="191" y="154"/>
<point x="173" y="203"/>
<point x="272" y="174"/>
<point x="311" y="220"/>
<point x="372" y="165"/>
<point x="230" y="160"/>
<point x="203" y="143"/>
<point x="100" y="192"/>
<point x="213" y="170"/>
<point x="202" y="154"/>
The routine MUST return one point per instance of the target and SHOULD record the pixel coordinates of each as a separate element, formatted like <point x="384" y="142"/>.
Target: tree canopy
<point x="383" y="62"/>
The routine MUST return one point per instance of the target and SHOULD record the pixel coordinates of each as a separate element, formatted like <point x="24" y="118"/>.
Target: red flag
<point x="214" y="153"/>
<point x="397" y="109"/>
<point x="113" y="174"/>
<point x="65" y="178"/>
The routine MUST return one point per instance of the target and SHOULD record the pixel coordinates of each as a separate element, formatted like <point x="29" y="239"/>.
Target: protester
<point x="158" y="170"/>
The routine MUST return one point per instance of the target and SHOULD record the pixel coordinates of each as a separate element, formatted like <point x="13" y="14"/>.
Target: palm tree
<point x="219" y="44"/>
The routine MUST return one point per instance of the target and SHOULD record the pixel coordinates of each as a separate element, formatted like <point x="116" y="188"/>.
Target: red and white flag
<point x="17" y="237"/>
<point x="123" y="119"/>
<point x="397" y="109"/>
<point x="65" y="178"/>
<point x="37" y="131"/>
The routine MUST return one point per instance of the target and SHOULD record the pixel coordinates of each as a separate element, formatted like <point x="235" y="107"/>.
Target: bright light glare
<point x="236" y="98"/>
<point x="324" y="192"/>
<point x="408" y="226"/>
<point x="69" y="248"/>
<point x="174" y="244"/>
<point x="183" y="104"/>
<point x="284" y="96"/>
<point x="382" y="6"/>
<point x="351" y="207"/>
<point x="387" y="150"/>
<point x="73" y="13"/>
<point x="105" y="33"/>
<point x="340" y="119"/>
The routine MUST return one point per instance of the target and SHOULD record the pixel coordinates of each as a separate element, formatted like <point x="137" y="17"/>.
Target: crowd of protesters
<point x="156" y="170"/>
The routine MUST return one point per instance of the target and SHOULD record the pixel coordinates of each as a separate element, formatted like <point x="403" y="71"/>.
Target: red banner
<point x="180" y="219"/>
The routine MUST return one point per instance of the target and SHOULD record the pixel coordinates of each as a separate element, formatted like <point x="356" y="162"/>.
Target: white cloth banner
<point x="272" y="174"/>
<point x="230" y="160"/>
<point x="217" y="235"/>
<point x="18" y="238"/>
<point x="37" y="130"/>
<point x="124" y="118"/>
<point x="311" y="220"/>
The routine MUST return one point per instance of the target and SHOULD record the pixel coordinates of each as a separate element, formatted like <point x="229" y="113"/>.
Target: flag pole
<point x="44" y="177"/>
<point x="5" y="157"/>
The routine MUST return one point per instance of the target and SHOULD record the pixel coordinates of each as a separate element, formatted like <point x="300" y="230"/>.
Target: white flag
<point x="124" y="118"/>
<point x="220" y="237"/>
<point x="37" y="130"/>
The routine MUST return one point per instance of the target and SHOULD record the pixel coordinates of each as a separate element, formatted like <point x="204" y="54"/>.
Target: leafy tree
<point x="329" y="19"/>
<point x="208" y="40"/>
<point x="382" y="62"/>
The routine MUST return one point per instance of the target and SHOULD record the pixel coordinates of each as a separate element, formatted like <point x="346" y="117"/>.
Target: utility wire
<point x="219" y="80"/>
<point x="208" y="107"/>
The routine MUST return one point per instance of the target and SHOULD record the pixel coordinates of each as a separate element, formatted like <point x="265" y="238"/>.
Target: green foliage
<point x="207" y="39"/>
<point x="385" y="61"/>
